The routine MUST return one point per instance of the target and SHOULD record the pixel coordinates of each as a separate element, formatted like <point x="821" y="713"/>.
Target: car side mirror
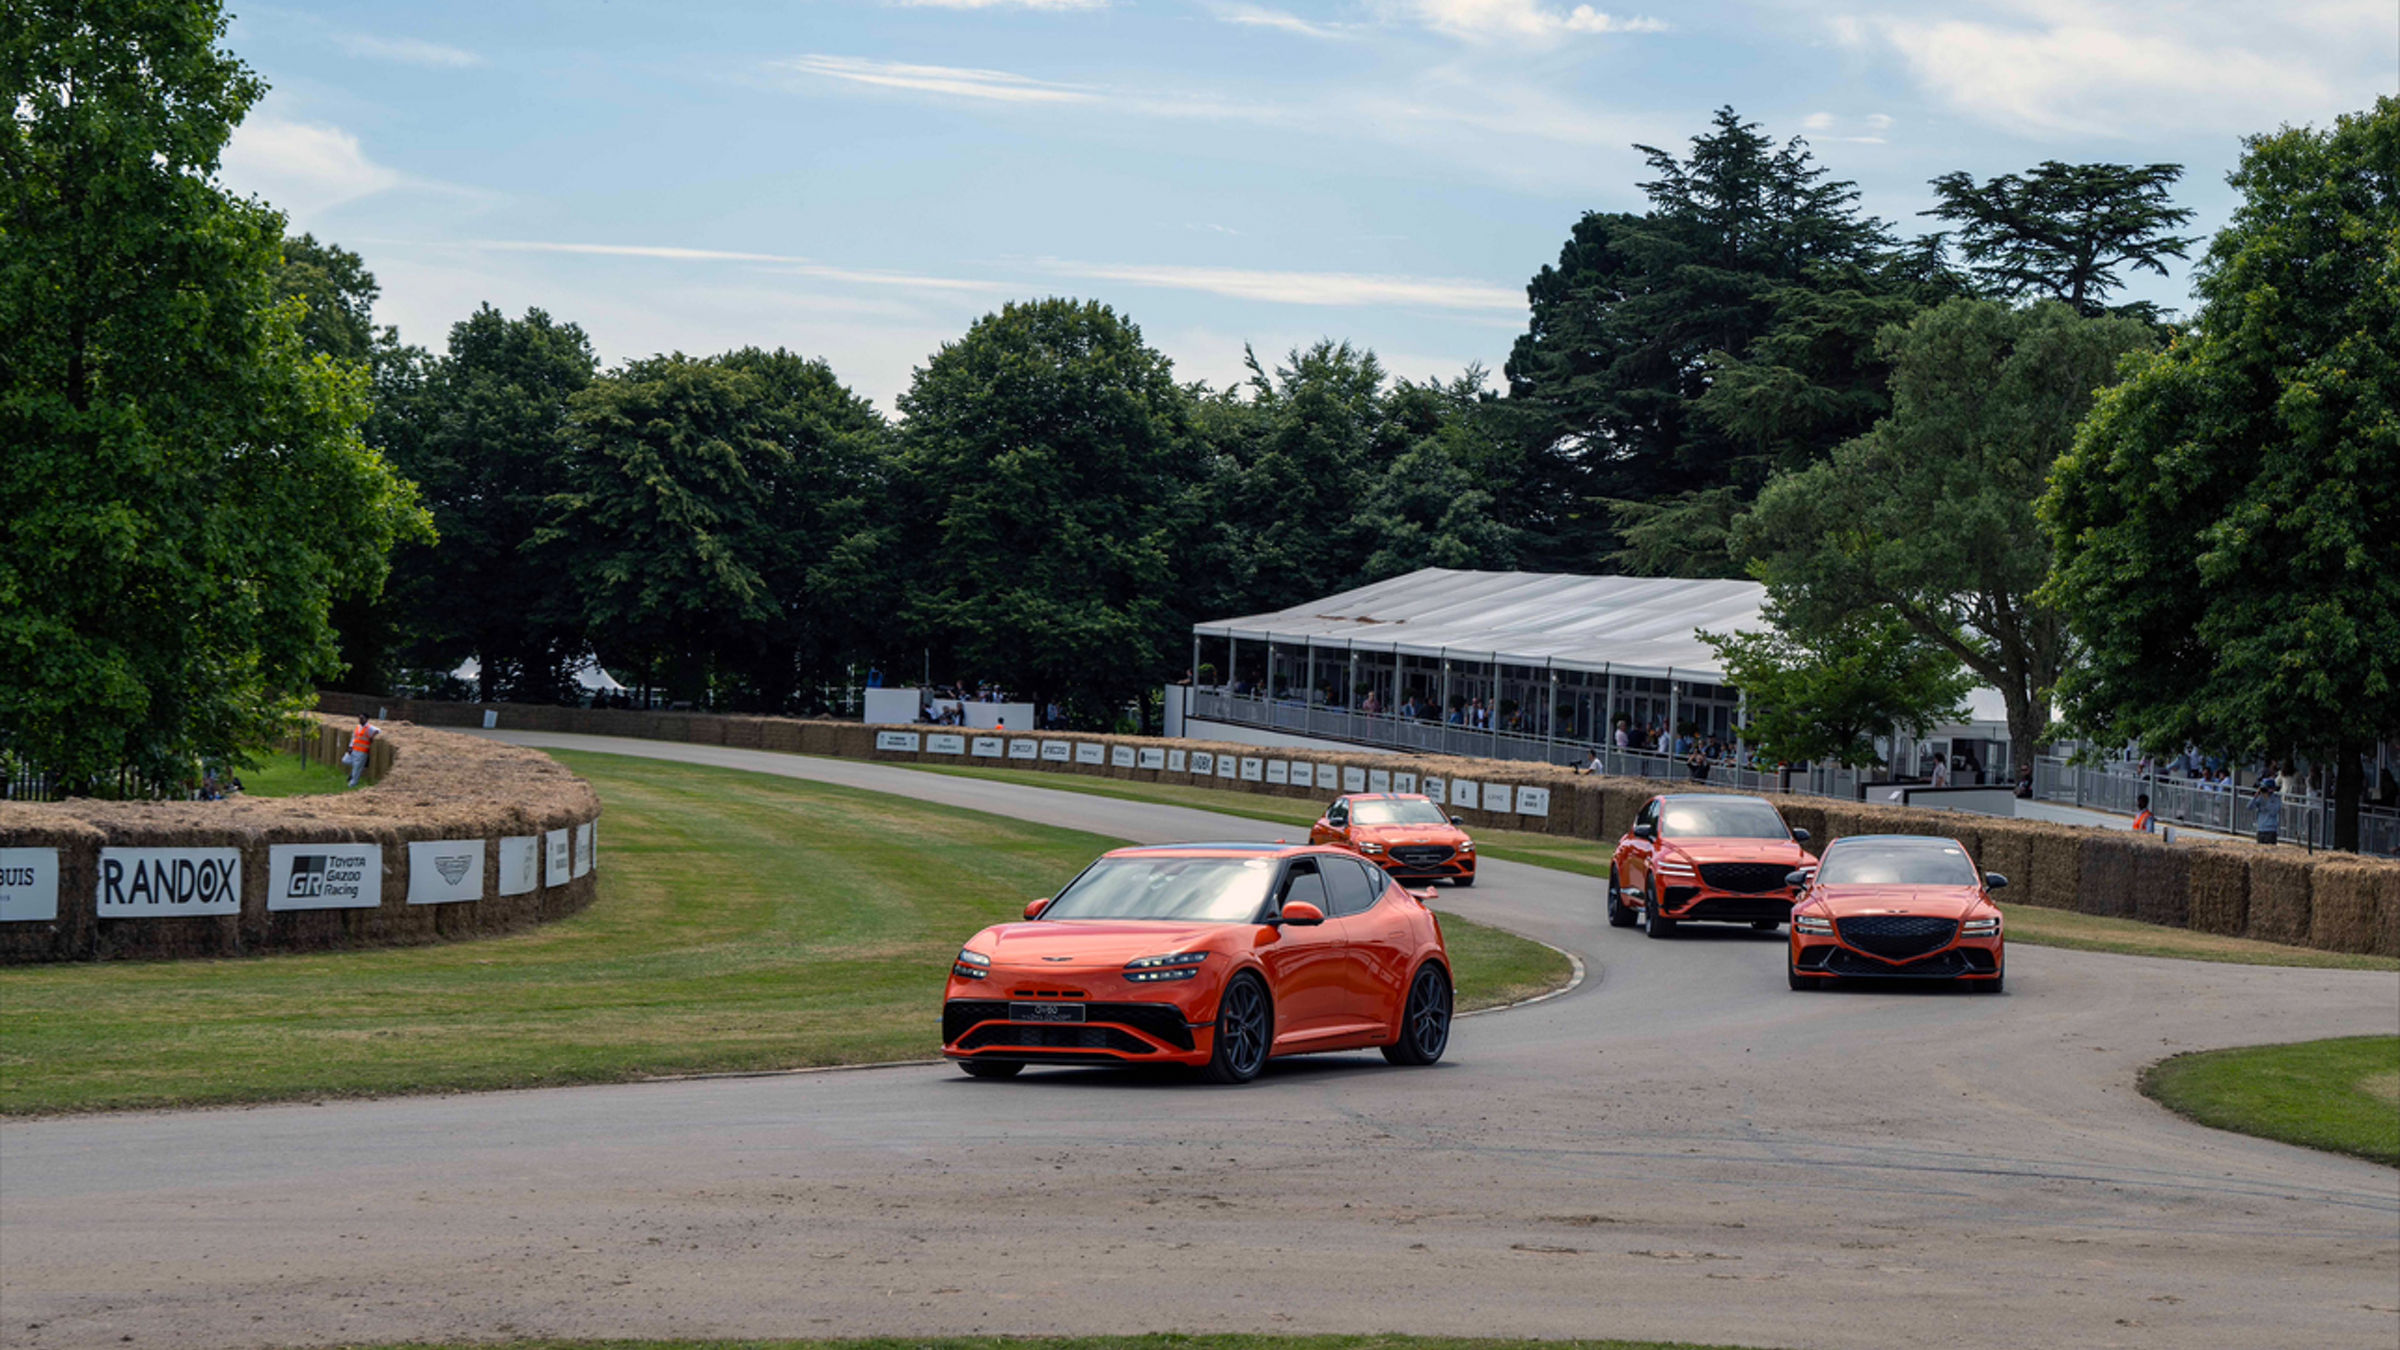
<point x="1799" y="836"/>
<point x="1456" y="821"/>
<point x="1645" y="832"/>
<point x="1300" y="914"/>
<point x="1034" y="908"/>
<point x="1797" y="878"/>
<point x="1424" y="897"/>
<point x="1993" y="881"/>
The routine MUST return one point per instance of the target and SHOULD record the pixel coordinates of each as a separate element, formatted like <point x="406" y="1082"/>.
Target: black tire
<point x="1653" y="923"/>
<point x="1992" y="985"/>
<point x="1804" y="982"/>
<point x="1463" y="882"/>
<point x="1245" y="1031"/>
<point x="1425" y="1020"/>
<point x="1766" y="925"/>
<point x="991" y="1068"/>
<point x="1620" y="915"/>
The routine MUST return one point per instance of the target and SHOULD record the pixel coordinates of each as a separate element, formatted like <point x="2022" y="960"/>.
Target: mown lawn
<point x="2341" y="1095"/>
<point x="283" y="775"/>
<point x="744" y="922"/>
<point x="1166" y="1342"/>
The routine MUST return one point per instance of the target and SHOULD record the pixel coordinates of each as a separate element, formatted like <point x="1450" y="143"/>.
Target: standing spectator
<point x="2267" y="804"/>
<point x="360" y="740"/>
<point x="2025" y="782"/>
<point x="1696" y="763"/>
<point x="1941" y="771"/>
<point x="2143" y="821"/>
<point x="1624" y="737"/>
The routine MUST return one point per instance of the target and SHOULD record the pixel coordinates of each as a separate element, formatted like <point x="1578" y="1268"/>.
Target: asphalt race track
<point x="1679" y="1148"/>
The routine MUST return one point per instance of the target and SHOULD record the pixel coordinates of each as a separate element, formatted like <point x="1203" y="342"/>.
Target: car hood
<point x="1944" y="902"/>
<point x="1092" y="944"/>
<point x="1388" y="835"/>
<point x="1740" y="850"/>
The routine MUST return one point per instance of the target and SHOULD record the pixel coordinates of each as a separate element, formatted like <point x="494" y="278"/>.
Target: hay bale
<point x="2008" y="850"/>
<point x="2162" y="882"/>
<point x="745" y="733"/>
<point x="2346" y="906"/>
<point x="1589" y="810"/>
<point x="2279" y="896"/>
<point x="2057" y="864"/>
<point x="2105" y="881"/>
<point x="2218" y="887"/>
<point x="1804" y="813"/>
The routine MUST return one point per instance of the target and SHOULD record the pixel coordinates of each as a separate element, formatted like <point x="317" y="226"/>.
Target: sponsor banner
<point x="1462" y="794"/>
<point x="1090" y="752"/>
<point x="896" y="740"/>
<point x="520" y="864"/>
<point x="1120" y="756"/>
<point x="559" y="867"/>
<point x="28" y="885"/>
<point x="444" y="871"/>
<point x="324" y="876"/>
<point x="1435" y="788"/>
<point x="1403" y="782"/>
<point x="1329" y="777"/>
<point x="1279" y="771"/>
<point x="1058" y="752"/>
<point x="1153" y="758"/>
<point x="144" y="883"/>
<point x="989" y="747"/>
<point x="1354" y="780"/>
<point x="1204" y="764"/>
<point x="1176" y="763"/>
<point x="1253" y="770"/>
<point x="586" y="845"/>
<point x="1379" y="780"/>
<point x="1025" y="749"/>
<point x="1533" y="801"/>
<point x="1225" y="766"/>
<point x="945" y="743"/>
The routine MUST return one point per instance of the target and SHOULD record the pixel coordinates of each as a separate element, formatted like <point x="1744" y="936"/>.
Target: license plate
<point x="1045" y="1012"/>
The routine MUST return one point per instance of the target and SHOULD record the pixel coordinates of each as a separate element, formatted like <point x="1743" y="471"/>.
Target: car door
<point x="1376" y="915"/>
<point x="1633" y="855"/>
<point x="1307" y="972"/>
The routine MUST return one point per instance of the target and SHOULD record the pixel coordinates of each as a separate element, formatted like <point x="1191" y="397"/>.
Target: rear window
<point x="1207" y="890"/>
<point x="1936" y="862"/>
<point x="1730" y="818"/>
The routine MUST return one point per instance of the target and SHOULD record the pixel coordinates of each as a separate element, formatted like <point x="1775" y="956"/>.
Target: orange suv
<point x="1898" y="906"/>
<point x="1404" y="833"/>
<point x="1713" y="857"/>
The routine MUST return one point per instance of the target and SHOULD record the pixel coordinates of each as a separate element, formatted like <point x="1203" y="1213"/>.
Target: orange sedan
<point x="1897" y="906"/>
<point x="1705" y="856"/>
<point x="1404" y="833"/>
<point x="1219" y="956"/>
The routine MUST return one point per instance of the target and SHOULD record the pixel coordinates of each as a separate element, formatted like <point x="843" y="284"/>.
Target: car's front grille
<point x="1163" y="1021"/>
<point x="1745" y="878"/>
<point x="1897" y="936"/>
<point x="1942" y="965"/>
<point x="1056" y="1036"/>
<point x="1742" y="908"/>
<point x="1421" y="855"/>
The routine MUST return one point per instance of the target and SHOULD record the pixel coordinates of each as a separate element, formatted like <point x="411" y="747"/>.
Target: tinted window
<point x="1403" y="812"/>
<point x="1338" y="812"/>
<point x="1216" y="890"/>
<point x="1352" y="891"/>
<point x="1721" y="818"/>
<point x="1877" y="862"/>
<point x="1305" y="884"/>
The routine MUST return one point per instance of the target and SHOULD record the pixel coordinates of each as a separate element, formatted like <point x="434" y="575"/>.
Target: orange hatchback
<point x="1219" y="956"/>
<point x="1705" y="856"/>
<point x="1897" y="906"/>
<point x="1404" y="833"/>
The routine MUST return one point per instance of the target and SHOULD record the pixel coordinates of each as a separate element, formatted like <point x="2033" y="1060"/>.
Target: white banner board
<point x="1533" y="801"/>
<point x="989" y="747"/>
<point x="1024" y="749"/>
<point x="1403" y="782"/>
<point x="1058" y="752"/>
<point x="28" y="885"/>
<point x="520" y="864"/>
<point x="444" y="871"/>
<point x="1225" y="766"/>
<point x="1153" y="758"/>
<point x="1436" y="789"/>
<point x="1462" y="794"/>
<point x="559" y="869"/>
<point x="1176" y="763"/>
<point x="1204" y="764"/>
<point x="896" y="740"/>
<point x="1120" y="756"/>
<point x="324" y="876"/>
<point x="587" y="844"/>
<point x="1354" y="780"/>
<point x="1329" y="777"/>
<point x="1379" y="780"/>
<point x="1090" y="752"/>
<point x="1279" y="771"/>
<point x="945" y="743"/>
<point x="1253" y="770"/>
<point x="147" y="883"/>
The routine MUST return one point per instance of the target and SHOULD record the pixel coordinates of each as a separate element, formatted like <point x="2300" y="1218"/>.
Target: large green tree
<point x="2228" y="523"/>
<point x="2066" y="232"/>
<point x="1824" y="693"/>
<point x="1929" y="517"/>
<point x="185" y="486"/>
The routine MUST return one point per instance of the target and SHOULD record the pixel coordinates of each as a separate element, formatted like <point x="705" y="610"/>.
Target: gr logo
<point x="308" y="877"/>
<point x="324" y="876"/>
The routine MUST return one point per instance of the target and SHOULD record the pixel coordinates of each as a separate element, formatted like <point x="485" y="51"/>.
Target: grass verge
<point x="1156" y="1342"/>
<point x="2026" y="923"/>
<point x="744" y="922"/>
<point x="283" y="775"/>
<point x="2340" y="1095"/>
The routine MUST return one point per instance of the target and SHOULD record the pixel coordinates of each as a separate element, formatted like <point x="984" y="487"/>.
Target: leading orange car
<point x="1404" y="833"/>
<point x="1906" y="906"/>
<point x="1219" y="956"/>
<point x="1709" y="856"/>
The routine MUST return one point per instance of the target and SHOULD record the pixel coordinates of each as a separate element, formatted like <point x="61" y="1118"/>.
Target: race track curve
<point x="1681" y="1148"/>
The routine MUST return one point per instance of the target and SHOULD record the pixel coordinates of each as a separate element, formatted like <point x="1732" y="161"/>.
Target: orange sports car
<point x="1219" y="956"/>
<point x="1906" y="906"/>
<point x="1706" y="856"/>
<point x="1404" y="833"/>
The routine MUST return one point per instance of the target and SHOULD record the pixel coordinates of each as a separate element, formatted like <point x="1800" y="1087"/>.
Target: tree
<point x="339" y="291"/>
<point x="1929" y="517"/>
<point x="1044" y="489"/>
<point x="1435" y="505"/>
<point x="2063" y="231"/>
<point x="1817" y="693"/>
<point x="2227" y="524"/>
<point x="185" y="487"/>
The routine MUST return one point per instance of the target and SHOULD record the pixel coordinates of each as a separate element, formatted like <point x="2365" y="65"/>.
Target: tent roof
<point x="1632" y="625"/>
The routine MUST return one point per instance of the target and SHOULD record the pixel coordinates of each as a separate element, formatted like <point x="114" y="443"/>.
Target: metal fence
<point x="2195" y="804"/>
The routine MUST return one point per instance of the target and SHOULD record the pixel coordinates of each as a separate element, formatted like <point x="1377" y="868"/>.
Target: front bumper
<point x="1701" y="903"/>
<point x="978" y="1025"/>
<point x="1423" y="862"/>
<point x="1967" y="958"/>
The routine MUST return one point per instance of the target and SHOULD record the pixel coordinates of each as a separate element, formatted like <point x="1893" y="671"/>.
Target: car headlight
<point x="1466" y="846"/>
<point x="969" y="965"/>
<point x="1810" y="923"/>
<point x="1674" y="867"/>
<point x="1980" y="927"/>
<point x="1370" y="846"/>
<point x="1174" y="966"/>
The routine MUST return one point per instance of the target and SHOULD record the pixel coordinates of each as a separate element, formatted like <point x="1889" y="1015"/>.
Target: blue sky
<point x="860" y="179"/>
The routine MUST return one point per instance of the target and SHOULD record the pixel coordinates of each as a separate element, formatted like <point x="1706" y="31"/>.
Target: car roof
<point x="1231" y="848"/>
<point x="1928" y="840"/>
<point x="1385" y="797"/>
<point x="1713" y="797"/>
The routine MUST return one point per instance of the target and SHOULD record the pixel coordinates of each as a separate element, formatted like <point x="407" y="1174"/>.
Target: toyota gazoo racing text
<point x="1905" y="906"/>
<point x="1713" y="857"/>
<point x="1218" y="956"/>
<point x="1404" y="833"/>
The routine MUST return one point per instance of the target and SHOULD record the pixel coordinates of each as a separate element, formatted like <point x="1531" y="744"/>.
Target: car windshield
<point x="1728" y="818"/>
<point x="1419" y="812"/>
<point x="1205" y="890"/>
<point x="1935" y="862"/>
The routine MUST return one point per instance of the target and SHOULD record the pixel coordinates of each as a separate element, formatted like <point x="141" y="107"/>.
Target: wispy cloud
<point x="303" y="168"/>
<point x="956" y="81"/>
<point x="407" y="51"/>
<point x="1053" y="5"/>
<point x="1257" y="16"/>
<point x="1303" y="288"/>
<point x="1521" y="21"/>
<point x="779" y="264"/>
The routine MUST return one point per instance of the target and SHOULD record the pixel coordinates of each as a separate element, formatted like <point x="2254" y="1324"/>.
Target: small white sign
<point x="1120" y="756"/>
<point x="444" y="871"/>
<point x="1090" y="752"/>
<point x="1225" y="766"/>
<point x="585" y="846"/>
<point x="1176" y="763"/>
<point x="1204" y="764"/>
<point x="1058" y="752"/>
<point x="1329" y="776"/>
<point x="491" y="718"/>
<point x="1354" y="779"/>
<point x="560" y="867"/>
<point x="945" y="743"/>
<point x="1253" y="770"/>
<point x="1533" y="801"/>
<point x="1153" y="758"/>
<point x="1279" y="771"/>
<point x="896" y="740"/>
<point x="989" y="747"/>
<point x="28" y="885"/>
<point x="1379" y="780"/>
<point x="1436" y="789"/>
<point x="1024" y="749"/>
<point x="1403" y="782"/>
<point x="520" y="864"/>
<point x="1462" y="795"/>
<point x="324" y="876"/>
<point x="153" y="882"/>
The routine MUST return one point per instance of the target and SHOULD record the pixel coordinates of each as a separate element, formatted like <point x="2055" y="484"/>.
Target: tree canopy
<point x="2065" y="231"/>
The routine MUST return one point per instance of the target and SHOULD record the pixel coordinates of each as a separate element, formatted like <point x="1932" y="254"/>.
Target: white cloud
<point x="778" y="264"/>
<point x="1051" y="5"/>
<point x="956" y="81"/>
<point x="302" y="168"/>
<point x="1521" y="20"/>
<point x="407" y="51"/>
<point x="1304" y="288"/>
<point x="1256" y="16"/>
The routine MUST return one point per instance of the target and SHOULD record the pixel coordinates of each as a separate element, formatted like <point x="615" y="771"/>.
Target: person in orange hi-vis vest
<point x="362" y="737"/>
<point x="2143" y="821"/>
